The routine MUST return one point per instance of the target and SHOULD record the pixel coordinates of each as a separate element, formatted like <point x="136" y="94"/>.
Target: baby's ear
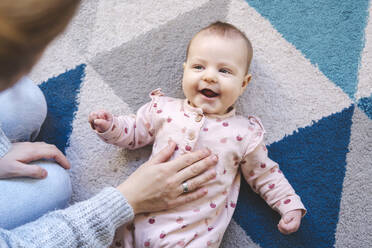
<point x="184" y="65"/>
<point x="246" y="81"/>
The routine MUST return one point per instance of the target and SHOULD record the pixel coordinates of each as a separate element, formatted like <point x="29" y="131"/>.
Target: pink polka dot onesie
<point x="238" y="142"/>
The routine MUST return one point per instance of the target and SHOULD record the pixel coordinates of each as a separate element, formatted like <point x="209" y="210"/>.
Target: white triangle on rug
<point x="120" y="21"/>
<point x="59" y="57"/>
<point x="354" y="227"/>
<point x="365" y="71"/>
<point x="69" y="49"/>
<point x="95" y="163"/>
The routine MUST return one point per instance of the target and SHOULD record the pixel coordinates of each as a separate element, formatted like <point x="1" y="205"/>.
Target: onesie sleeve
<point x="264" y="176"/>
<point x="134" y="131"/>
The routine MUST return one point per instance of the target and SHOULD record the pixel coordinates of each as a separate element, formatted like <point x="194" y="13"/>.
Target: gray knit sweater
<point x="88" y="224"/>
<point x="4" y="143"/>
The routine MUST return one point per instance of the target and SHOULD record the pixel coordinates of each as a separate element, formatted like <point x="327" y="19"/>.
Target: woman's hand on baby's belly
<point x="157" y="184"/>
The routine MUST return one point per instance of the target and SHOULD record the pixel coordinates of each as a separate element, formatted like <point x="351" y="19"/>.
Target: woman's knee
<point x="57" y="183"/>
<point x="25" y="100"/>
<point x="26" y="199"/>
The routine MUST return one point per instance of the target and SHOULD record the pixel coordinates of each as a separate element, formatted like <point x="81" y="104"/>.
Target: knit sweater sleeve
<point x="4" y="144"/>
<point x="90" y="223"/>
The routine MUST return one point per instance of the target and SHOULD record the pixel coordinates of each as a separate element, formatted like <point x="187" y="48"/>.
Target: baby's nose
<point x="210" y="77"/>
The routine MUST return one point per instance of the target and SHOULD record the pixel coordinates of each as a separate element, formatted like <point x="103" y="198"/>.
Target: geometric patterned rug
<point x="311" y="86"/>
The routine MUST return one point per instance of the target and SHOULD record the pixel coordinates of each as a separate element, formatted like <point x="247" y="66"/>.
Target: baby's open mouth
<point x="209" y="93"/>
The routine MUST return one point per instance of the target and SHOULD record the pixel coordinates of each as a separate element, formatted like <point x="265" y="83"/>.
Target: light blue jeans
<point x="22" y="112"/>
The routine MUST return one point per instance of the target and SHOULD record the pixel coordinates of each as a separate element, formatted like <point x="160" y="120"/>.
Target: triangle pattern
<point x="167" y="47"/>
<point x="329" y="33"/>
<point x="111" y="31"/>
<point x="314" y="162"/>
<point x="61" y="97"/>
<point x="287" y="92"/>
<point x="365" y="104"/>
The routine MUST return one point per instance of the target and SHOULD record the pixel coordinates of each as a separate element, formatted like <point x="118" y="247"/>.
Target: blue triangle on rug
<point x="61" y="97"/>
<point x="314" y="161"/>
<point x="330" y="33"/>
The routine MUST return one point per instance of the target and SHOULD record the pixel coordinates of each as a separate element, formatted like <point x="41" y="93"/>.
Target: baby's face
<point x="215" y="72"/>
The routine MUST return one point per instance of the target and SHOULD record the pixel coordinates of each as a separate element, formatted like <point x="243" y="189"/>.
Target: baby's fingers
<point x="101" y="125"/>
<point x="103" y="114"/>
<point x="288" y="228"/>
<point x="92" y="116"/>
<point x="282" y="229"/>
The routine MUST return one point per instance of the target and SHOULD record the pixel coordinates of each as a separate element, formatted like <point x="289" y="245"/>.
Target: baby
<point x="215" y="75"/>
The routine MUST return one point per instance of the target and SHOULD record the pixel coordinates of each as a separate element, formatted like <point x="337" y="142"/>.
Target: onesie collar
<point x="190" y="108"/>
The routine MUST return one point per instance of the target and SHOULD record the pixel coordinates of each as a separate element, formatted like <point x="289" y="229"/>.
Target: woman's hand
<point x="15" y="162"/>
<point x="157" y="185"/>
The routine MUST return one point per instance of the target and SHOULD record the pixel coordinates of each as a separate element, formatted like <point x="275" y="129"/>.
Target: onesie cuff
<point x="288" y="204"/>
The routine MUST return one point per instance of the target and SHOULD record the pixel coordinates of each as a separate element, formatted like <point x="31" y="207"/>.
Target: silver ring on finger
<point x="185" y="187"/>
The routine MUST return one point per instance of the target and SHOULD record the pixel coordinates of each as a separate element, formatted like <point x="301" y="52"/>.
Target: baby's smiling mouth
<point x="209" y="93"/>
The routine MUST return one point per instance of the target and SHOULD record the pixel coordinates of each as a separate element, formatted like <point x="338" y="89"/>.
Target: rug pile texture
<point x="311" y="87"/>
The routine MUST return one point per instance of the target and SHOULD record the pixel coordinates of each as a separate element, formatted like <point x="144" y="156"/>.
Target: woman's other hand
<point x="15" y="162"/>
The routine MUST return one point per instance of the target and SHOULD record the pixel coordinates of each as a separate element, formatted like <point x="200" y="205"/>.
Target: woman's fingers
<point x="17" y="169"/>
<point x="196" y="169"/>
<point x="15" y="162"/>
<point x="186" y="198"/>
<point x="189" y="159"/>
<point x="30" y="170"/>
<point x="40" y="150"/>
<point x="157" y="184"/>
<point x="164" y="154"/>
<point x="197" y="182"/>
<point x="58" y="156"/>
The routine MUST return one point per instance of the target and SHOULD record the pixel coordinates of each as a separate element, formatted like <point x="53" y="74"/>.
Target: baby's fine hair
<point x="227" y="30"/>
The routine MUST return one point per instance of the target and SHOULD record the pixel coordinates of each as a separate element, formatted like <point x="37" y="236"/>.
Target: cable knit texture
<point x="87" y="224"/>
<point x="4" y="144"/>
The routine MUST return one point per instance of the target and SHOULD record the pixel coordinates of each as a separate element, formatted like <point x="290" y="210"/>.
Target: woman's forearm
<point x="90" y="223"/>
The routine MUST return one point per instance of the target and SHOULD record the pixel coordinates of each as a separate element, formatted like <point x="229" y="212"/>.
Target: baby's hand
<point x="100" y="120"/>
<point x="290" y="222"/>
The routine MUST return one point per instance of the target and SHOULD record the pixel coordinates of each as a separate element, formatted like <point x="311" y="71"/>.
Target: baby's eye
<point x="226" y="71"/>
<point x="198" y="67"/>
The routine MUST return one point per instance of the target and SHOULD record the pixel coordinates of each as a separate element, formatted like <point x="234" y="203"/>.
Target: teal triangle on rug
<point x="330" y="33"/>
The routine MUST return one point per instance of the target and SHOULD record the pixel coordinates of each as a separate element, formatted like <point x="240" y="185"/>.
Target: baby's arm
<point x="266" y="179"/>
<point x="129" y="131"/>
